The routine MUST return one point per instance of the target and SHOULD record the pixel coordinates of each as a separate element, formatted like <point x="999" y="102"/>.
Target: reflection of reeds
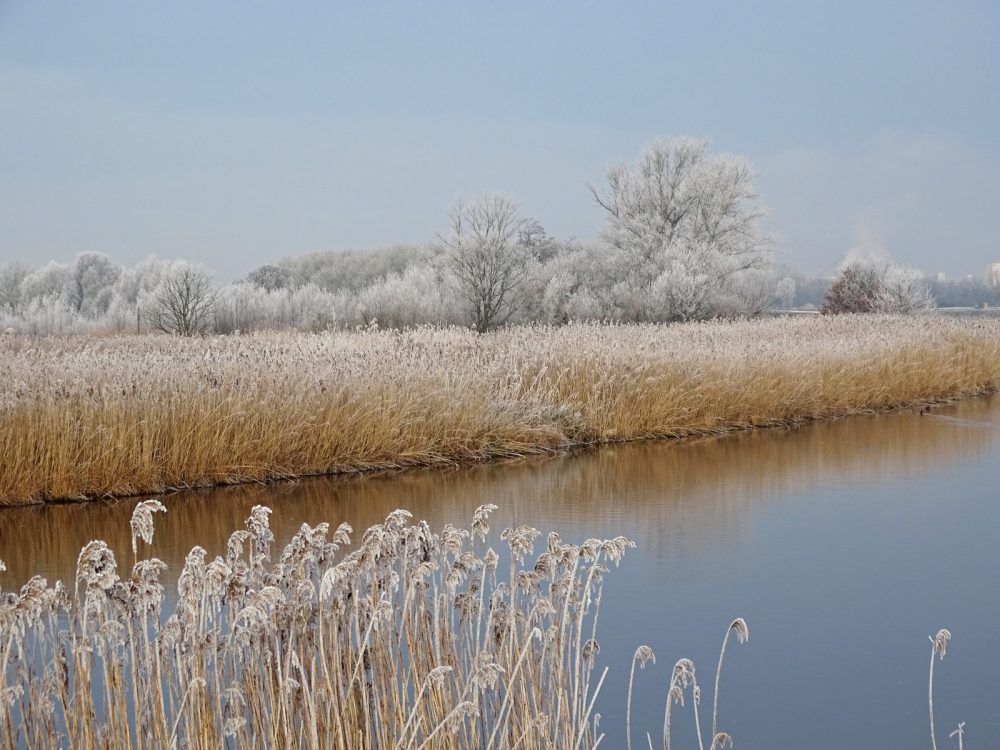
<point x="129" y="415"/>
<point x="413" y="640"/>
<point x="666" y="496"/>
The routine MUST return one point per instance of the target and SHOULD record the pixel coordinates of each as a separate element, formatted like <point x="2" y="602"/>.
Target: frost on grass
<point x="310" y="646"/>
<point x="123" y="415"/>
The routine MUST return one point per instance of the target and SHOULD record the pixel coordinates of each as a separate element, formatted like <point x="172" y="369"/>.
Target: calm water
<point x="843" y="544"/>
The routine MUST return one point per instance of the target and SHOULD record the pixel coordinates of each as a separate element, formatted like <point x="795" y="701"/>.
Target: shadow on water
<point x="844" y="544"/>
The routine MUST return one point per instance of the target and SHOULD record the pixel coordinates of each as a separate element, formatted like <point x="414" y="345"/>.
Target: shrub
<point x="864" y="288"/>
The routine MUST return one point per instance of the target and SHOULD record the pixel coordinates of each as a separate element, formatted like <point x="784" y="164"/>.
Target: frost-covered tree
<point x="270" y="277"/>
<point x="92" y="278"/>
<point x="784" y="293"/>
<point x="241" y="307"/>
<point x="48" y="315"/>
<point x="133" y="294"/>
<point x="245" y="307"/>
<point x="574" y="284"/>
<point x="140" y="279"/>
<point x="182" y="302"/>
<point x="856" y="290"/>
<point x="421" y="294"/>
<point x="12" y="274"/>
<point x="682" y="224"/>
<point x="51" y="280"/>
<point x="746" y="294"/>
<point x="486" y="259"/>
<point x="878" y="288"/>
<point x="532" y="236"/>
<point x="904" y="290"/>
<point x="353" y="270"/>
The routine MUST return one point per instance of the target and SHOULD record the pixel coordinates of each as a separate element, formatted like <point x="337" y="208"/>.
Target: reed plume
<point x="413" y="639"/>
<point x="738" y="626"/>
<point x="939" y="646"/>
<point x="642" y="655"/>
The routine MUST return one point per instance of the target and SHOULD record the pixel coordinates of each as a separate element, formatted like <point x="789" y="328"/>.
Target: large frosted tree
<point x="684" y="227"/>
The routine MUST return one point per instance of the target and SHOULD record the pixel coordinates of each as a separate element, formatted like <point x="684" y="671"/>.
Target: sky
<point x="235" y="134"/>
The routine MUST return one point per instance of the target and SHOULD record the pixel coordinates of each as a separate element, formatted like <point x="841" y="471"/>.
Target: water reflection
<point x="673" y="498"/>
<point x="844" y="544"/>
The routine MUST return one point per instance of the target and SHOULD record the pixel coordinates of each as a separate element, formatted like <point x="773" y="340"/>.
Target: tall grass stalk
<point x="387" y="647"/>
<point x="681" y="678"/>
<point x="939" y="646"/>
<point x="98" y="417"/>
<point x="642" y="655"/>
<point x="738" y="626"/>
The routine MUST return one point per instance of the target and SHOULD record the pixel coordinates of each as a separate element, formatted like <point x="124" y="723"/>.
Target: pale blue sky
<point x="238" y="133"/>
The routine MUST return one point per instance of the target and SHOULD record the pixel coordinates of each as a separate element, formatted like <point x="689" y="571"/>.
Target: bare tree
<point x="183" y="301"/>
<point x="486" y="259"/>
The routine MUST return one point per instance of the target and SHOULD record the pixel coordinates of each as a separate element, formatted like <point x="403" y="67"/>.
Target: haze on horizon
<point x="236" y="135"/>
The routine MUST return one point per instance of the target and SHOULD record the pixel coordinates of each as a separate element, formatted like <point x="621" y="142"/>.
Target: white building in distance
<point x="993" y="275"/>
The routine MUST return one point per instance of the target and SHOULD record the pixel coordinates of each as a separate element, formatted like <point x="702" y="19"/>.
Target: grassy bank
<point x="128" y="415"/>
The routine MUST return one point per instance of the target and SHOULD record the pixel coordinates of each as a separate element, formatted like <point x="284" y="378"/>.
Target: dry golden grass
<point x="128" y="415"/>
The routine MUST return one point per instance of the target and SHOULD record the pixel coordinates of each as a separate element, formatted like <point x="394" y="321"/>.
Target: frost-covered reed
<point x="414" y="639"/>
<point x="128" y="415"/>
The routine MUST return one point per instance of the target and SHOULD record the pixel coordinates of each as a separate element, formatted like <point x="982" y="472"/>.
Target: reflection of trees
<point x="673" y="498"/>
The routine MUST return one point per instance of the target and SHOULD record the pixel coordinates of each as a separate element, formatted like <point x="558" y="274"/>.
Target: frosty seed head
<point x="940" y="642"/>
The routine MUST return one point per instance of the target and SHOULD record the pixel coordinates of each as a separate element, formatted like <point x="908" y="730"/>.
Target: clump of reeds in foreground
<point x="413" y="640"/>
<point x="141" y="414"/>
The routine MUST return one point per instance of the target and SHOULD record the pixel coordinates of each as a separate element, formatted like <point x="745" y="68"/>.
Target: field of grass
<point x="96" y="417"/>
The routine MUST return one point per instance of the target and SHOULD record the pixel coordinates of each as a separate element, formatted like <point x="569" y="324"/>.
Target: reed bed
<point x="413" y="640"/>
<point x="131" y="415"/>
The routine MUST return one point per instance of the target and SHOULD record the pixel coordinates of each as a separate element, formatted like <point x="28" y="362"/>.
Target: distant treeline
<point x="396" y="286"/>
<point x="681" y="241"/>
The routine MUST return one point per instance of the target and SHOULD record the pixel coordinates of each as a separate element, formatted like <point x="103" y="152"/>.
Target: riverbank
<point x="130" y="415"/>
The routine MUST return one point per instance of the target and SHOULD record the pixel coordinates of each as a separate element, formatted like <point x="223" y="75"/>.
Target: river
<point x="843" y="544"/>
